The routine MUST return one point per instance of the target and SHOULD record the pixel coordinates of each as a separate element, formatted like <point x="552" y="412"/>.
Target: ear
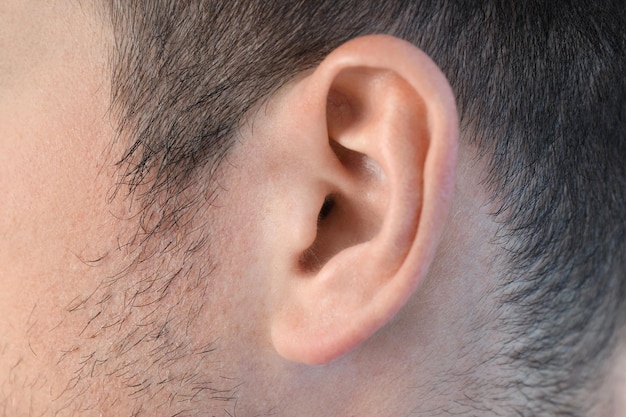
<point x="365" y="156"/>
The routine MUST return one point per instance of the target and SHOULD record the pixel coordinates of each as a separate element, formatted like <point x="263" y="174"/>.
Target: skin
<point x="52" y="107"/>
<point x="70" y="262"/>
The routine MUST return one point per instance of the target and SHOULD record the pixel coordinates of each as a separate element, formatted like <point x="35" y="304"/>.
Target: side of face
<point x="269" y="299"/>
<point x="93" y="320"/>
<point x="54" y="177"/>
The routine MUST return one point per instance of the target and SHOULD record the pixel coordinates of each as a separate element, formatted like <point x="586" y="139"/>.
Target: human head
<point x="196" y="87"/>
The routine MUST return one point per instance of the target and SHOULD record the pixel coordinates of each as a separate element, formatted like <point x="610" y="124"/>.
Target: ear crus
<point x="368" y="143"/>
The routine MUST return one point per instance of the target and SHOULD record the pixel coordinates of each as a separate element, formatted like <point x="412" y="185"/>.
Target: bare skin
<point x="94" y="322"/>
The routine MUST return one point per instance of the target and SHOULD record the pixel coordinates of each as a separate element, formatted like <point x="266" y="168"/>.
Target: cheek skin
<point x="83" y="326"/>
<point x="54" y="148"/>
<point x="55" y="176"/>
<point x="53" y="172"/>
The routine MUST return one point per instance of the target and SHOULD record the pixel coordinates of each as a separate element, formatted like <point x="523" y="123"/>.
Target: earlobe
<point x="379" y="129"/>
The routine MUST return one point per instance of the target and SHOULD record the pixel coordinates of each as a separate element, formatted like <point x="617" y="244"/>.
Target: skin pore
<point x="102" y="317"/>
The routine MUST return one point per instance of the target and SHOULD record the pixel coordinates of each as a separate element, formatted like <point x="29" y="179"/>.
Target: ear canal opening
<point x="347" y="217"/>
<point x="327" y="207"/>
<point x="316" y="255"/>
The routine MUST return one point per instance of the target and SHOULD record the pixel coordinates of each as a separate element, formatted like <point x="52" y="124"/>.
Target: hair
<point x="541" y="91"/>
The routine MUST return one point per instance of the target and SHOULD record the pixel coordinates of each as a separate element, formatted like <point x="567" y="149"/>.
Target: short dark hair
<point x="541" y="91"/>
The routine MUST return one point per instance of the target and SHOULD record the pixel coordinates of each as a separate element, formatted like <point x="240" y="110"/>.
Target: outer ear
<point x="365" y="150"/>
